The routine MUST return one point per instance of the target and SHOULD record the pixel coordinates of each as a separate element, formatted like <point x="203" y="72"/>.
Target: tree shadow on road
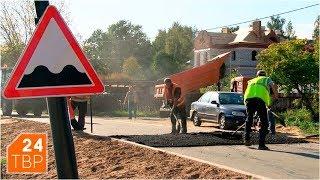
<point x="309" y="155"/>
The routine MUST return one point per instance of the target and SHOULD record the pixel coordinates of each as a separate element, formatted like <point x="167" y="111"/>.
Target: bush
<point x="301" y="118"/>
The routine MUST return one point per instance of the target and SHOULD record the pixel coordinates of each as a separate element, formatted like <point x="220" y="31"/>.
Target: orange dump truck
<point x="193" y="79"/>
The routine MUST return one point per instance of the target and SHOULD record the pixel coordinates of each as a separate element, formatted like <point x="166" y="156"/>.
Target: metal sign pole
<point x="91" y="114"/>
<point x="62" y="138"/>
<point x="60" y="126"/>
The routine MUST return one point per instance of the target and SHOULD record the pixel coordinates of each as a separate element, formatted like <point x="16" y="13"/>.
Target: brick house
<point x="243" y="44"/>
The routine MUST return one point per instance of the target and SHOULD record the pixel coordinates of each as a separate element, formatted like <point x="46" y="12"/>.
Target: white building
<point x="243" y="44"/>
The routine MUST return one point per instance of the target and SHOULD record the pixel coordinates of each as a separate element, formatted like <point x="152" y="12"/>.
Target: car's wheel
<point x="37" y="113"/>
<point x="222" y="122"/>
<point x="22" y="107"/>
<point x="196" y="119"/>
<point x="7" y="108"/>
<point x="22" y="112"/>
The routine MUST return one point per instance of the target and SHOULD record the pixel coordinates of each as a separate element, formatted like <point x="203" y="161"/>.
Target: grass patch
<point x="302" y="119"/>
<point x="124" y="113"/>
<point x="3" y="161"/>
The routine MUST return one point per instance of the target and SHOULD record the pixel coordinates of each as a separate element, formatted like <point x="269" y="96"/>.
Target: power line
<point x="264" y="17"/>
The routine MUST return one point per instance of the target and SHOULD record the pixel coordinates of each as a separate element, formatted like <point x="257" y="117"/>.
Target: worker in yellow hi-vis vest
<point x="258" y="95"/>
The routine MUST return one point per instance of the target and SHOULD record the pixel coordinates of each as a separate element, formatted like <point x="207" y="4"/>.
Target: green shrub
<point x="301" y="118"/>
<point x="3" y="161"/>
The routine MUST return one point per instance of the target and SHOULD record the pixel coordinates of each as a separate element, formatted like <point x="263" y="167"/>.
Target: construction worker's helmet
<point x="261" y="73"/>
<point x="167" y="80"/>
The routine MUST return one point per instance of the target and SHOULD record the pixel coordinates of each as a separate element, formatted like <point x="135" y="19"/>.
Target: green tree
<point x="10" y="54"/>
<point x="291" y="66"/>
<point x="172" y="49"/>
<point x="316" y="28"/>
<point x="276" y="23"/>
<point x="234" y="29"/>
<point x="129" y="40"/>
<point x="98" y="50"/>
<point x="179" y="42"/>
<point x="224" y="82"/>
<point x="17" y="26"/>
<point x="290" y="33"/>
<point x="107" y="50"/>
<point x="164" y="64"/>
<point x="132" y="68"/>
<point x="160" y="41"/>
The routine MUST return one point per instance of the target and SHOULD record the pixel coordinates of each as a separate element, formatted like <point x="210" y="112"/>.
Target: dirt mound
<point x="99" y="157"/>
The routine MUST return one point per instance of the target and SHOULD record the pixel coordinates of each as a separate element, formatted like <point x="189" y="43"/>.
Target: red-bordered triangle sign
<point x="53" y="64"/>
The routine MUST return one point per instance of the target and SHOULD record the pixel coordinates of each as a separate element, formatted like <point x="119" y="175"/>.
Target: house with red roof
<point x="243" y="46"/>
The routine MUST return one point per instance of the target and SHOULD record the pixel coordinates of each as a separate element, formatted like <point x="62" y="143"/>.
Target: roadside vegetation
<point x="301" y="118"/>
<point x="294" y="66"/>
<point x="124" y="113"/>
<point x="224" y="82"/>
<point x="3" y="161"/>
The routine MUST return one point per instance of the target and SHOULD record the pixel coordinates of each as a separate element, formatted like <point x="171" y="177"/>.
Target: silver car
<point x="225" y="108"/>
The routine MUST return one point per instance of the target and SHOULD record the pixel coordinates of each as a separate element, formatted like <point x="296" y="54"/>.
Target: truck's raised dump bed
<point x="196" y="78"/>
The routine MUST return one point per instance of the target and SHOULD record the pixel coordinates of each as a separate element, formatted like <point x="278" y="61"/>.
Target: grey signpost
<point x="60" y="125"/>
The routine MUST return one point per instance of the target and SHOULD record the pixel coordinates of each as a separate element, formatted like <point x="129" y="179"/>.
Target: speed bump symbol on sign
<point x="27" y="153"/>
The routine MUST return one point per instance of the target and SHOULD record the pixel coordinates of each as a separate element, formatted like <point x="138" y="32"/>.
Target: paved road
<point x="284" y="161"/>
<point x="298" y="161"/>
<point x="109" y="126"/>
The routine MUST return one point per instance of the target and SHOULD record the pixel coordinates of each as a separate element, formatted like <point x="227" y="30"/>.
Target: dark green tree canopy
<point x="172" y="49"/>
<point x="234" y="29"/>
<point x="290" y="33"/>
<point x="107" y="50"/>
<point x="292" y="66"/>
<point x="276" y="23"/>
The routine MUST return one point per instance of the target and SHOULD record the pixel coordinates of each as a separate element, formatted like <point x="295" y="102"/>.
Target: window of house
<point x="205" y="56"/>
<point x="233" y="55"/>
<point x="253" y="55"/>
<point x="197" y="59"/>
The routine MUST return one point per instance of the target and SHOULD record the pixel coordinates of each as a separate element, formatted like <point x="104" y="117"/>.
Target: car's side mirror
<point x="215" y="102"/>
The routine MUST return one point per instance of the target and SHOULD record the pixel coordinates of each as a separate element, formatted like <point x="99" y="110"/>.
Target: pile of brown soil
<point x="100" y="157"/>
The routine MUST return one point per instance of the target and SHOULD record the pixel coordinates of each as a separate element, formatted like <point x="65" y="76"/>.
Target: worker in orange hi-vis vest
<point x="74" y="122"/>
<point x="79" y="102"/>
<point x="174" y="98"/>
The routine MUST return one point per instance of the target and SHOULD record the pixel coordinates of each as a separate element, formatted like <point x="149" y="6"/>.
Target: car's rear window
<point x="231" y="98"/>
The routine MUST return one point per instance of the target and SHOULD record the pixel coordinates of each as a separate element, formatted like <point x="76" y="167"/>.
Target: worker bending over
<point x="256" y="98"/>
<point x="174" y="99"/>
<point x="79" y="102"/>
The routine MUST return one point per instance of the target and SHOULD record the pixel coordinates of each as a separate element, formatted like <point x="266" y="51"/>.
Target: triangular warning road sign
<point x="52" y="64"/>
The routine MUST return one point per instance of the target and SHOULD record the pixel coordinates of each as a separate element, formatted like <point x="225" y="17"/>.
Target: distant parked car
<point x="225" y="108"/>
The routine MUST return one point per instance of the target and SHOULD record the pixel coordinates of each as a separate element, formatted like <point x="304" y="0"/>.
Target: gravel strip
<point x="99" y="157"/>
<point x="206" y="139"/>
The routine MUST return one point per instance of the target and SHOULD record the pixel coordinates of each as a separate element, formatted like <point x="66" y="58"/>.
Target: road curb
<point x="192" y="158"/>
